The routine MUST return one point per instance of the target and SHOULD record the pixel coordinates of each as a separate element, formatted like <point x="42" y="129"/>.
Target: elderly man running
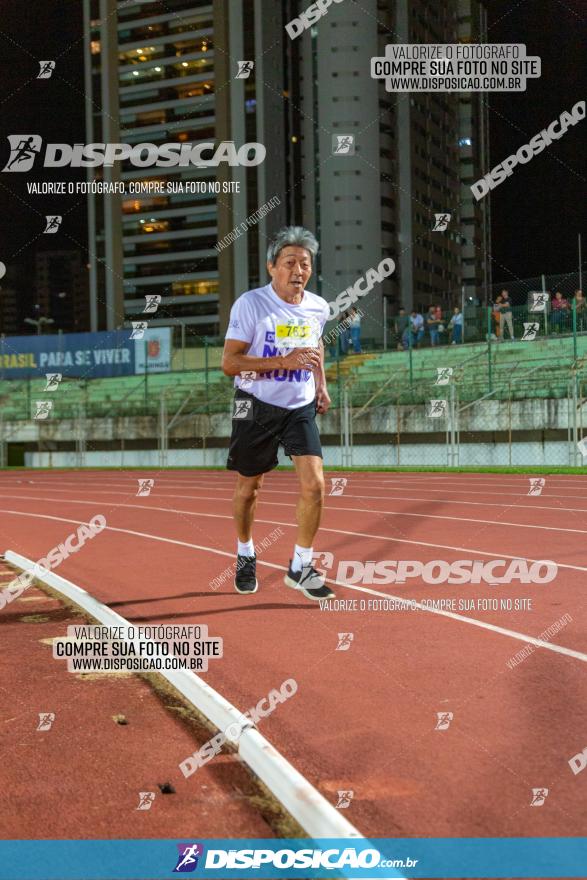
<point x="273" y="347"/>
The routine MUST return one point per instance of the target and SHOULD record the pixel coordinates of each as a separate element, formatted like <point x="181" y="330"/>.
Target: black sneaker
<point x="309" y="581"/>
<point x="245" y="580"/>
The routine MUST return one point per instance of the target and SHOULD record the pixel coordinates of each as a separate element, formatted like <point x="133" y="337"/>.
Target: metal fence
<point x="446" y="425"/>
<point x="422" y="400"/>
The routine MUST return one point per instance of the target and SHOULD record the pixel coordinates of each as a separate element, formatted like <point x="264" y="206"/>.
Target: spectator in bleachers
<point x="432" y="323"/>
<point x="504" y="307"/>
<point x="345" y="335"/>
<point x="495" y="316"/>
<point x="355" y="329"/>
<point x="456" y="327"/>
<point x="402" y="329"/>
<point x="559" y="312"/>
<point x="581" y="308"/>
<point x="416" y="328"/>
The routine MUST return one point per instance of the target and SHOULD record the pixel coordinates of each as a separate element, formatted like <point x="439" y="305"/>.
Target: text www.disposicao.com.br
<point x="132" y="664"/>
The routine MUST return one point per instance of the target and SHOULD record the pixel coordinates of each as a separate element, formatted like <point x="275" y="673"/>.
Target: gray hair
<point x="292" y="235"/>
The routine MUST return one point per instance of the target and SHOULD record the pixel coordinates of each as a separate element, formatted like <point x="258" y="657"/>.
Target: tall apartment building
<point x="61" y="289"/>
<point x="10" y="324"/>
<point x="474" y="161"/>
<point x="413" y="154"/>
<point x="165" y="70"/>
<point x="160" y="72"/>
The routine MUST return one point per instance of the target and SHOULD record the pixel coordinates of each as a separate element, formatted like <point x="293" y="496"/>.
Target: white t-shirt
<point x="274" y="327"/>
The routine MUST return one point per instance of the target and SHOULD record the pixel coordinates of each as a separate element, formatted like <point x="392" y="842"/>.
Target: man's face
<point x="291" y="271"/>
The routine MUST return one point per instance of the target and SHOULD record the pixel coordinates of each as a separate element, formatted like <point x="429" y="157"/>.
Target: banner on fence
<point x="87" y="355"/>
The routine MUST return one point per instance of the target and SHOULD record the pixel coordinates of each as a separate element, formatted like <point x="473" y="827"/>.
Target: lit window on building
<point x="465" y="142"/>
<point x="194" y="288"/>
<point x="158" y="226"/>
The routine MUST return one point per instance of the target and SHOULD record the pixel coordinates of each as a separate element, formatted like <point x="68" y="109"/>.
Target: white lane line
<point x="337" y="507"/>
<point x="304" y="802"/>
<point x="230" y="487"/>
<point x="368" y="476"/>
<point x="508" y="505"/>
<point x="215" y="483"/>
<point x="290" y="525"/>
<point x="510" y="633"/>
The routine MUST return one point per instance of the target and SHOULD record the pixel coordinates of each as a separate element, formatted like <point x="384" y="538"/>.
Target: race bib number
<point x="297" y="333"/>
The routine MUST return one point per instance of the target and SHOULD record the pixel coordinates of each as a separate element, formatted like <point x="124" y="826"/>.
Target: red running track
<point x="363" y="719"/>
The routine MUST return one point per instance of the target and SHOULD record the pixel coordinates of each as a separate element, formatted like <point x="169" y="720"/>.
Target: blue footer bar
<point x="531" y="857"/>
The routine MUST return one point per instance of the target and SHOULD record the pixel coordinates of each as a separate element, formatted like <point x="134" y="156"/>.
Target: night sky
<point x="536" y="213"/>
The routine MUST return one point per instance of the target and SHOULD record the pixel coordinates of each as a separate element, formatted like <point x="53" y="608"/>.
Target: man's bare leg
<point x="245" y="504"/>
<point x="311" y="500"/>
<point x="301" y="574"/>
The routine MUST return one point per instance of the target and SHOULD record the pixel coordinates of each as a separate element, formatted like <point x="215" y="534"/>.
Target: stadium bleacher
<point x="537" y="369"/>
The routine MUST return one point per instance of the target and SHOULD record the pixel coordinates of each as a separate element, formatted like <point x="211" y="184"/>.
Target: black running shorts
<point x="258" y="428"/>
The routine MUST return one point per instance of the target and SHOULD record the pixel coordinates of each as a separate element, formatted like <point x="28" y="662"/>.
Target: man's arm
<point x="235" y="361"/>
<point x="322" y="395"/>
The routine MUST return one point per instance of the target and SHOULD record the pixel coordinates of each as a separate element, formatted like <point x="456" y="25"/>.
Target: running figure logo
<point x="539" y="301"/>
<point x="344" y="641"/>
<point x="24" y="150"/>
<point x="243" y="409"/>
<point x="46" y="720"/>
<point x="539" y="795"/>
<point x="47" y="68"/>
<point x="187" y="861"/>
<point x="344" y="799"/>
<point x="436" y="409"/>
<point x="146" y="799"/>
<point x="441" y="222"/>
<point x="537" y="484"/>
<point x="152" y="302"/>
<point x="444" y="375"/>
<point x="53" y="380"/>
<point x="138" y="329"/>
<point x="43" y="409"/>
<point x="245" y="69"/>
<point x="443" y="720"/>
<point x="53" y="224"/>
<point x="247" y="379"/>
<point x="343" y="144"/>
<point x="145" y="487"/>
<point x="530" y="331"/>
<point x="325" y="558"/>
<point x="338" y="485"/>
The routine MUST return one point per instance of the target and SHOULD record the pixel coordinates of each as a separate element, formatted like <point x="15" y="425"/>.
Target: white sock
<point x="246" y="549"/>
<point x="301" y="556"/>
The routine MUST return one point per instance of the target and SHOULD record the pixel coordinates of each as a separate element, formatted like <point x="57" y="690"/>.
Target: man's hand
<point x="322" y="400"/>
<point x="302" y="359"/>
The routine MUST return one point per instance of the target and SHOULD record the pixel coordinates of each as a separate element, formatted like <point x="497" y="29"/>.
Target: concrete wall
<point x="485" y="431"/>
<point x="550" y="453"/>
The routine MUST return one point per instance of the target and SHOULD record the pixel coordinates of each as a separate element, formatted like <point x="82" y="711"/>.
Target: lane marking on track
<point x="506" y="504"/>
<point x="387" y="477"/>
<point x="295" y="491"/>
<point x="402" y="485"/>
<point x="513" y="634"/>
<point x="326" y="529"/>
<point x="337" y="507"/>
